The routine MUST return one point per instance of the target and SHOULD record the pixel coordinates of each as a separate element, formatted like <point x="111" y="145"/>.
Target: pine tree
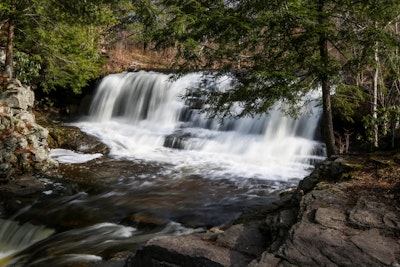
<point x="282" y="49"/>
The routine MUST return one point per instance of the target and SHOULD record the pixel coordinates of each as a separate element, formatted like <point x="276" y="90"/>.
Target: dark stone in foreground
<point x="236" y="246"/>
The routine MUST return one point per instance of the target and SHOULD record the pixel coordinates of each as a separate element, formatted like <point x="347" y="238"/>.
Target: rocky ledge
<point x="23" y="143"/>
<point x="345" y="213"/>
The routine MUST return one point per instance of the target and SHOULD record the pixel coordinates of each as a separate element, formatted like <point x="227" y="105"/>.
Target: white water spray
<point x="15" y="237"/>
<point x="142" y="115"/>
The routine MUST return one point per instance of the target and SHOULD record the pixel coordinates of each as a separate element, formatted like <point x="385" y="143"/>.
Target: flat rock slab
<point x="190" y="250"/>
<point x="235" y="245"/>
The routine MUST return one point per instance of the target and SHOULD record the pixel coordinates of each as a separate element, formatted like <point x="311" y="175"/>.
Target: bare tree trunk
<point x="396" y="122"/>
<point x="375" y="98"/>
<point x="9" y="68"/>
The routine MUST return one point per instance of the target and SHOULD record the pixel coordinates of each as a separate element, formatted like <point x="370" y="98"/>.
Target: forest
<point x="199" y="133"/>
<point x="276" y="50"/>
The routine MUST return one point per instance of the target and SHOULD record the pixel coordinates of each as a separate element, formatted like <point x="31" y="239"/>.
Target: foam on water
<point x="78" y="246"/>
<point x="69" y="156"/>
<point x="15" y="237"/>
<point x="135" y="114"/>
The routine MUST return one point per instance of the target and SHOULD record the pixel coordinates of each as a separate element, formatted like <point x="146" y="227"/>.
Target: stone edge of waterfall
<point x="324" y="219"/>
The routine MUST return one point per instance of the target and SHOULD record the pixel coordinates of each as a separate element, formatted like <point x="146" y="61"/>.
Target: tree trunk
<point x="375" y="98"/>
<point x="9" y="68"/>
<point x="327" y="117"/>
<point x="326" y="90"/>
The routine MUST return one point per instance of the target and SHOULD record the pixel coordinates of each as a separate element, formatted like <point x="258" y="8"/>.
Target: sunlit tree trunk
<point x="375" y="98"/>
<point x="396" y="122"/>
<point x="9" y="69"/>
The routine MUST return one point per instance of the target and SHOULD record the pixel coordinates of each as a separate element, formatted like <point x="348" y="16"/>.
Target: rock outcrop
<point x="23" y="143"/>
<point x="322" y="224"/>
<point x="338" y="229"/>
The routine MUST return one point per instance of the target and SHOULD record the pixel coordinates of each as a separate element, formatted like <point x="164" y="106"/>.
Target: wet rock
<point x="20" y="193"/>
<point x="26" y="184"/>
<point x="176" y="140"/>
<point x="143" y="219"/>
<point x="277" y="225"/>
<point x="70" y="137"/>
<point x="268" y="259"/>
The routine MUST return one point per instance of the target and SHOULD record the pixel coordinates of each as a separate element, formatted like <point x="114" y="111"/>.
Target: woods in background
<point x="277" y="50"/>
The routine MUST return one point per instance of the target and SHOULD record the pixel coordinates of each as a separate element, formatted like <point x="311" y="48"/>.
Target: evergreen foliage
<point x="63" y="37"/>
<point x="282" y="49"/>
<point x="277" y="50"/>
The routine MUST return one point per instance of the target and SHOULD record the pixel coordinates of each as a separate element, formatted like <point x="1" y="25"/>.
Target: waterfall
<point x="144" y="115"/>
<point x="15" y="237"/>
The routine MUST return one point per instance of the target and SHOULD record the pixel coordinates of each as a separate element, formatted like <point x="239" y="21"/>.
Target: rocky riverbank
<point x="23" y="142"/>
<point x="345" y="213"/>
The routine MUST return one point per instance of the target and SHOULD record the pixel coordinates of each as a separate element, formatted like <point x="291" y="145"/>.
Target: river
<point x="171" y="170"/>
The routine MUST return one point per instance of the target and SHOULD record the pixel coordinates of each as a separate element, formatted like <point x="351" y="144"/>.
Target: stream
<point x="171" y="170"/>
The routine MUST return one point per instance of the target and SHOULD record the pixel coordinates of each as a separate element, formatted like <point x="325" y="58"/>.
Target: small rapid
<point x="144" y="115"/>
<point x="15" y="237"/>
<point x="171" y="171"/>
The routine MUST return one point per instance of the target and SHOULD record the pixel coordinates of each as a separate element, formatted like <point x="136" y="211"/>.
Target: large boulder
<point x="23" y="143"/>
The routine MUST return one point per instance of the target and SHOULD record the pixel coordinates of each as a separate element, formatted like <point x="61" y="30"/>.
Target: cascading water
<point x="171" y="171"/>
<point x="15" y="237"/>
<point x="142" y="115"/>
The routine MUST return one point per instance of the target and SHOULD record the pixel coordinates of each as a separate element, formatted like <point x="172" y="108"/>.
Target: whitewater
<point x="144" y="115"/>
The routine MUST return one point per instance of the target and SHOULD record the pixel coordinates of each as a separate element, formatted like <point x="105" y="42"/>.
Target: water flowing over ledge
<point x="143" y="115"/>
<point x="170" y="171"/>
